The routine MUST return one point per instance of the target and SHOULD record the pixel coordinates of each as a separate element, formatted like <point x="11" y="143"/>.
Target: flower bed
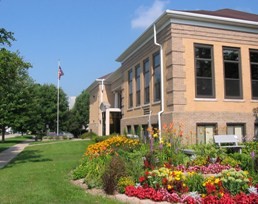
<point x="229" y="186"/>
<point x="164" y="173"/>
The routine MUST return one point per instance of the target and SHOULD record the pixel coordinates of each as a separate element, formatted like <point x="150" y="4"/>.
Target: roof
<point x="222" y="19"/>
<point x="97" y="81"/>
<point x="229" y="13"/>
<point x="105" y="76"/>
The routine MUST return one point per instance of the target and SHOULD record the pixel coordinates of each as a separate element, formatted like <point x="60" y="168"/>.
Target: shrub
<point x="101" y="138"/>
<point x="200" y="161"/>
<point x="227" y="160"/>
<point x="91" y="170"/>
<point x="88" y="135"/>
<point x="134" y="161"/>
<point x="209" y="150"/>
<point x="123" y="182"/>
<point x="113" y="171"/>
<point x="244" y="159"/>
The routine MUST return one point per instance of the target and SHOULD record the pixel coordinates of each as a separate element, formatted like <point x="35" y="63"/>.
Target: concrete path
<point x="7" y="155"/>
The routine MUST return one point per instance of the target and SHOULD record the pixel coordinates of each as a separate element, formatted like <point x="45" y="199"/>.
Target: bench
<point x="228" y="141"/>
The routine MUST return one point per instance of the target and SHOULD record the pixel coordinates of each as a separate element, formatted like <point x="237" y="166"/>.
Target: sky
<point x="87" y="36"/>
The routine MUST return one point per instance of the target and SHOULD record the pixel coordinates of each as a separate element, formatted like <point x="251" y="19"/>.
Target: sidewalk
<point x="7" y="155"/>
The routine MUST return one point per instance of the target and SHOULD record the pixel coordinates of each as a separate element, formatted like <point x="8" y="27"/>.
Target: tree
<point x="79" y="115"/>
<point x="13" y="74"/>
<point x="6" y="37"/>
<point x="46" y="100"/>
<point x="28" y="117"/>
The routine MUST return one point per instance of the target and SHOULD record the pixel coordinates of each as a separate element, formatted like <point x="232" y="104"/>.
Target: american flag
<point x="60" y="72"/>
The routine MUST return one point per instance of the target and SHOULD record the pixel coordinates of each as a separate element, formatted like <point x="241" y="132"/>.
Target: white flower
<point x="194" y="195"/>
<point x="252" y="189"/>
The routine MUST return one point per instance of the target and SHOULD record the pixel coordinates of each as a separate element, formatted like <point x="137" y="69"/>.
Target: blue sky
<point x="87" y="36"/>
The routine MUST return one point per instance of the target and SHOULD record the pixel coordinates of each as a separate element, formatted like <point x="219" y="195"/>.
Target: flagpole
<point x="57" y="120"/>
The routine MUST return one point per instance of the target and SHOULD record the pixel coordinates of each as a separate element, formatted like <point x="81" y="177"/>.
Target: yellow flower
<point x="169" y="187"/>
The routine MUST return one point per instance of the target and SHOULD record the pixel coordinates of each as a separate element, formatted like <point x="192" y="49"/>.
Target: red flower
<point x="142" y="179"/>
<point x="164" y="181"/>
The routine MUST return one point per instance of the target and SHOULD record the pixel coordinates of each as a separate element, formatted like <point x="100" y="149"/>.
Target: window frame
<point x="212" y="78"/>
<point x="146" y="83"/>
<point x="205" y="125"/>
<point x="239" y="73"/>
<point x="138" y="84"/>
<point x="234" y="126"/>
<point x="156" y="86"/>
<point x="255" y="80"/>
<point x="130" y="88"/>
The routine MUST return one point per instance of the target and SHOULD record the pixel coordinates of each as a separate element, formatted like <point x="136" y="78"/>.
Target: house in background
<point x="196" y="68"/>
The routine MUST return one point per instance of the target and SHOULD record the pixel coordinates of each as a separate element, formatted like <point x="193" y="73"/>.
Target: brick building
<point x="196" y="68"/>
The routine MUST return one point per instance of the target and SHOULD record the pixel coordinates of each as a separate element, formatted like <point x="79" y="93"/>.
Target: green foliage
<point x="88" y="135"/>
<point x="209" y="150"/>
<point x="113" y="172"/>
<point x="134" y="161"/>
<point x="228" y="160"/>
<point x="14" y="79"/>
<point x="91" y="170"/>
<point x="6" y="37"/>
<point x="47" y="108"/>
<point x="200" y="161"/>
<point x="249" y="147"/>
<point x="123" y="182"/>
<point x="235" y="181"/>
<point x="125" y="132"/>
<point x="195" y="182"/>
<point x="102" y="138"/>
<point x="179" y="158"/>
<point x="244" y="159"/>
<point x="78" y="117"/>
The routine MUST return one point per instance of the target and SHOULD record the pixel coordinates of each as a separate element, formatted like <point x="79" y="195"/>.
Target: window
<point x="236" y="129"/>
<point x="129" y="129"/>
<point x="204" y="74"/>
<point x="146" y="74"/>
<point x="254" y="72"/>
<point x="232" y="73"/>
<point x="130" y="85"/>
<point x="157" y="82"/>
<point x="138" y="84"/>
<point x="205" y="133"/>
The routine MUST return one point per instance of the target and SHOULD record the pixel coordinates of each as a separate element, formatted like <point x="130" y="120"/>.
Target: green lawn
<point x="40" y="174"/>
<point x="11" y="141"/>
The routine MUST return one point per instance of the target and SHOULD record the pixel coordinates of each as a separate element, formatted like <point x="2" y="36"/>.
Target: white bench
<point x="228" y="141"/>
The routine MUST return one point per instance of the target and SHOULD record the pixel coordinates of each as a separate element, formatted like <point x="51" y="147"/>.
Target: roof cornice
<point x="188" y="18"/>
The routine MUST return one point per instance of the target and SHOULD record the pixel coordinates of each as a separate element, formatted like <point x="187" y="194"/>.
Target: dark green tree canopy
<point x="78" y="117"/>
<point x="13" y="77"/>
<point x="6" y="37"/>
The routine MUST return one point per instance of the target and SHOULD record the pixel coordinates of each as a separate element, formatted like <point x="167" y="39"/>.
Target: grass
<point x="12" y="141"/>
<point x="41" y="174"/>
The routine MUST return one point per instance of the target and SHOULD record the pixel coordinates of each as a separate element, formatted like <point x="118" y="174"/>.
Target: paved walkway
<point x="7" y="155"/>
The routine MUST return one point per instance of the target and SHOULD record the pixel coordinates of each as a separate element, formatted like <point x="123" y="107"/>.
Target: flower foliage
<point x="165" y="184"/>
<point x="109" y="146"/>
<point x="235" y="181"/>
<point x="172" y="181"/>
